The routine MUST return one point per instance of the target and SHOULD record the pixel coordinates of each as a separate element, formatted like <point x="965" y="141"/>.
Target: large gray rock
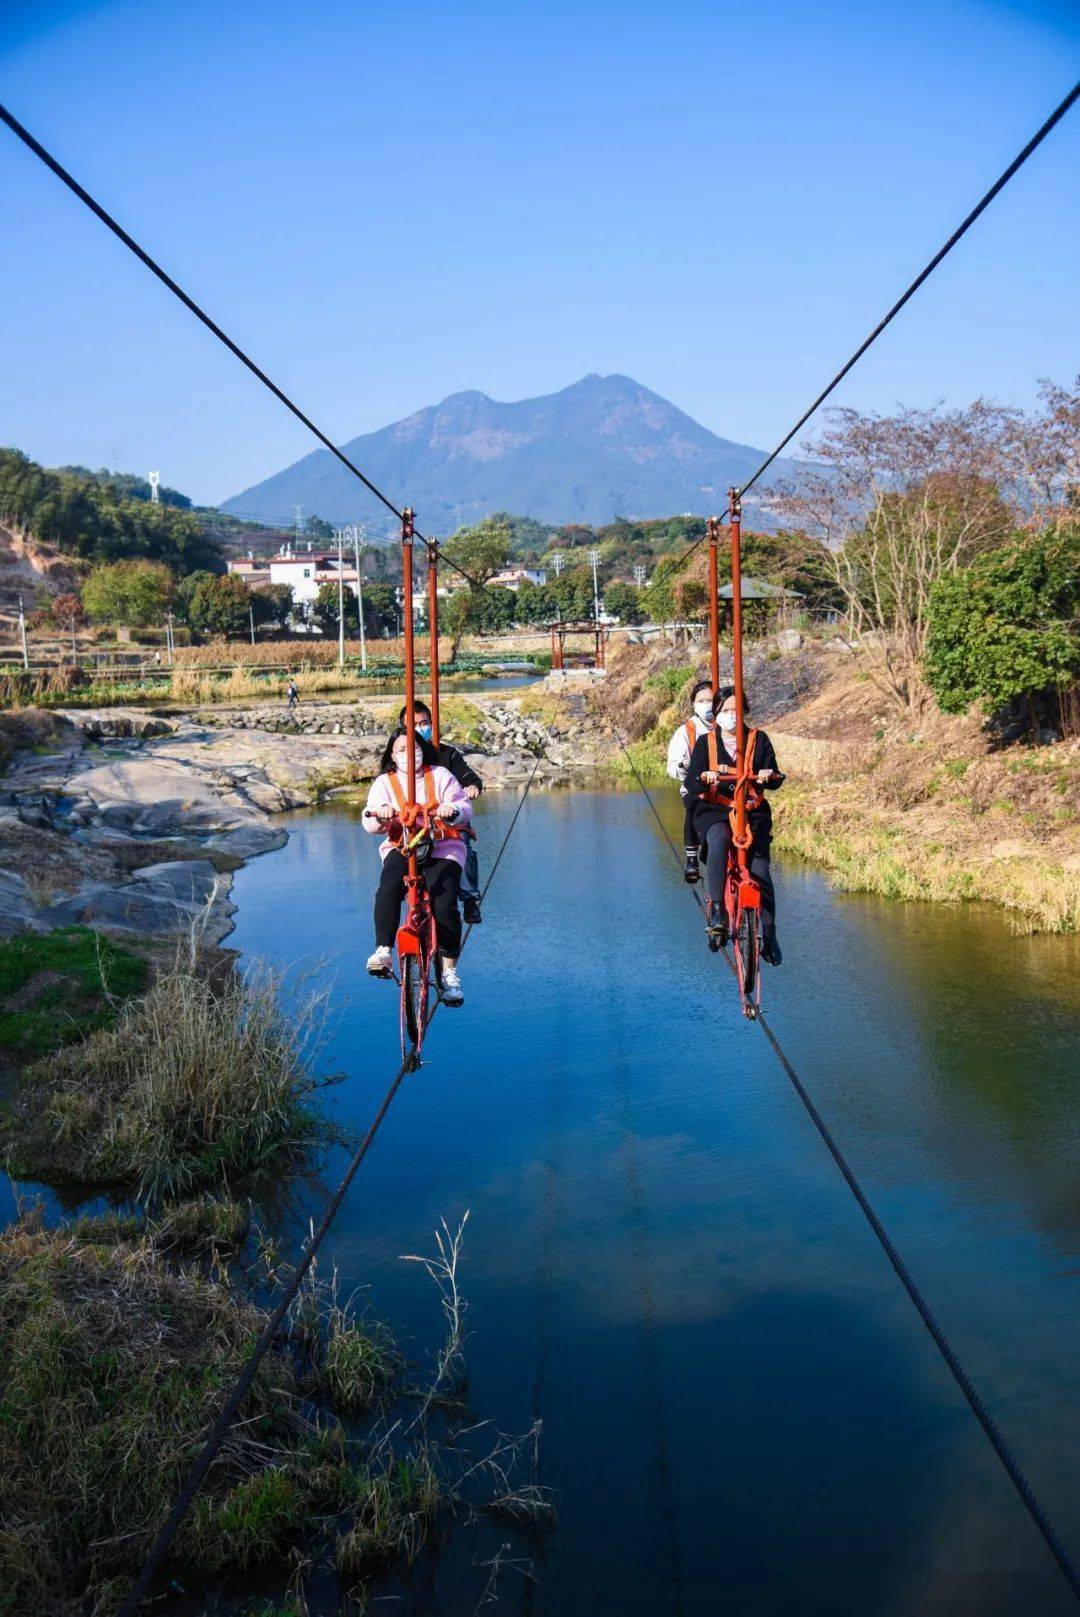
<point x="18" y="912"/>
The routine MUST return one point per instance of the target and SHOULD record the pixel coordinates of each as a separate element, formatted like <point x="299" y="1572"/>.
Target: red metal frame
<point x="433" y="635"/>
<point x="416" y="935"/>
<point x="713" y="530"/>
<point x="560" y="630"/>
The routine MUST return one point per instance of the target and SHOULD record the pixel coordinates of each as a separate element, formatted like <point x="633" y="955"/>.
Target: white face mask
<point x="726" y="719"/>
<point x="703" y="710"/>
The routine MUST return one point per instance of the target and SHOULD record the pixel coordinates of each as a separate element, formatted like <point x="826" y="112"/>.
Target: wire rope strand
<point x="193" y="1481"/>
<point x="999" y="185"/>
<point x="993" y="1432"/>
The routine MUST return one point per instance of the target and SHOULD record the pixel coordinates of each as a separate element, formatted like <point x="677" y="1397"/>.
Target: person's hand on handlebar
<point x="447" y="811"/>
<point x="384" y="814"/>
<point x="769" y="777"/>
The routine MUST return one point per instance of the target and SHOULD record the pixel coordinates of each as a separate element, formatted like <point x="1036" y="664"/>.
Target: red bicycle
<point x="742" y="895"/>
<point x="416" y="828"/>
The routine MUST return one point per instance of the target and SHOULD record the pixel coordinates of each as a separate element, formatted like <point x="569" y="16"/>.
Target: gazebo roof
<point x="756" y="589"/>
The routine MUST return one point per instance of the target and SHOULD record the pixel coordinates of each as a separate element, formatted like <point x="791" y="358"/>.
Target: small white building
<point x="512" y="578"/>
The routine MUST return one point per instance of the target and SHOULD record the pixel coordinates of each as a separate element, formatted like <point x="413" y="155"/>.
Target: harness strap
<point x="408" y="815"/>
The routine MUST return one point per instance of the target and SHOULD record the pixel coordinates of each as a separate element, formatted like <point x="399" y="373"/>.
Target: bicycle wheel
<point x="414" y="997"/>
<point x="746" y="957"/>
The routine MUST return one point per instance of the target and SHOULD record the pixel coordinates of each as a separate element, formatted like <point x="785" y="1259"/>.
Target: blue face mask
<point x="424" y="730"/>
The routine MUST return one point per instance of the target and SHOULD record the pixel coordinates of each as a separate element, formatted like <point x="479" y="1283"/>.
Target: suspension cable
<point x="999" y="185"/>
<point x="971" y="1394"/>
<point x="220" y="1429"/>
<point x="189" y="303"/>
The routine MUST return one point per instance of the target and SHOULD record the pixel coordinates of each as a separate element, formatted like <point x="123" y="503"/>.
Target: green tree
<point x="1006" y="627"/>
<point x="132" y="593"/>
<point x="318" y="530"/>
<point x="480" y="551"/>
<point x="98" y="520"/>
<point x="219" y="605"/>
<point x="273" y="605"/>
<point x="623" y="601"/>
<point x="324" y="609"/>
<point x="380" y="609"/>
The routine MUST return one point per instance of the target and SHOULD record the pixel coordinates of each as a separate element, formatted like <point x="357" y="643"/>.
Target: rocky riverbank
<point x="135" y="824"/>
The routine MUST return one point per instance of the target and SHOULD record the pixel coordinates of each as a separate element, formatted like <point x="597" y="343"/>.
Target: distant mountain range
<point x="601" y="448"/>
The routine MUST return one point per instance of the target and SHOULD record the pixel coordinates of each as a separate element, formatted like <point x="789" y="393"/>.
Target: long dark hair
<point x="427" y="752"/>
<point x="721" y="697"/>
<point x="702" y="685"/>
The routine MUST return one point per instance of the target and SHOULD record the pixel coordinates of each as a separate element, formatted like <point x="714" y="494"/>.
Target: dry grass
<point x="877" y="851"/>
<point x="116" y="1364"/>
<point x="191" y="1082"/>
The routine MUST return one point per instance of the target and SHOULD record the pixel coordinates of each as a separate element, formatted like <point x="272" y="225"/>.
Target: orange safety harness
<point x="420" y="816"/>
<point x="755" y="795"/>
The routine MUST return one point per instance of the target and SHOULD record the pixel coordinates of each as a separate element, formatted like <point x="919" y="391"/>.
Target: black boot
<point x="771" y="947"/>
<point x="691" y="872"/>
<point x="470" y="909"/>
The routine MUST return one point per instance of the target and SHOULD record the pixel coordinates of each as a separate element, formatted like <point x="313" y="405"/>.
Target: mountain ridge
<point x="602" y="447"/>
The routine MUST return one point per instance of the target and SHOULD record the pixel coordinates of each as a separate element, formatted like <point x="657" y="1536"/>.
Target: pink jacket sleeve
<point x="379" y="796"/>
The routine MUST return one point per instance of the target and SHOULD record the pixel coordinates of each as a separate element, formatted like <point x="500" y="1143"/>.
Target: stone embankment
<point x="135" y="823"/>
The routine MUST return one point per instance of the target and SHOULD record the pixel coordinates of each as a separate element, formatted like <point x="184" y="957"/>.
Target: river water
<point x="742" y="1412"/>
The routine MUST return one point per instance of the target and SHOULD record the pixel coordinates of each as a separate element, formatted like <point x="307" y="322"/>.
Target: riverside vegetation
<point x="180" y="1085"/>
<point x="930" y="808"/>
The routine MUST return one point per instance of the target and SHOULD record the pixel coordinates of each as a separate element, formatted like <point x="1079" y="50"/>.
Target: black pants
<point x="442" y="878"/>
<point x="470" y="878"/>
<point x="718" y="841"/>
<point x="689" y="835"/>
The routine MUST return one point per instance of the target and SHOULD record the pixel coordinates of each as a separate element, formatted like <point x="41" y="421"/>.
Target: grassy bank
<point x="58" y="987"/>
<point x="906" y="809"/>
<point x="886" y="852"/>
<point x="191" y="1081"/>
<point x="120" y="1343"/>
<point x="117" y="1361"/>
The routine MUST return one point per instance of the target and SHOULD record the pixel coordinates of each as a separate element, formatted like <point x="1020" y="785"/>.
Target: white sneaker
<point x="381" y="963"/>
<point x="450" y="983"/>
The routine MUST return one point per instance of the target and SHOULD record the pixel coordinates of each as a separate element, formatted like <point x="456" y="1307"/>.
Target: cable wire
<point x="219" y="1431"/>
<point x="999" y="184"/>
<point x="971" y="1394"/>
<point x="189" y="302"/>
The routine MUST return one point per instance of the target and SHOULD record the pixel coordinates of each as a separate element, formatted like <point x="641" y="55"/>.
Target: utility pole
<point x="357" y="534"/>
<point x="557" y="563"/>
<point x="594" y="557"/>
<point x="22" y="634"/>
<point x="340" y="603"/>
<point x="639" y="576"/>
<point x="169" y="635"/>
<point x="251" y="620"/>
<point x="299" y="526"/>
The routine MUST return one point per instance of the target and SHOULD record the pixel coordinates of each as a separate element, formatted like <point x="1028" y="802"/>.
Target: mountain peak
<point x="604" y="446"/>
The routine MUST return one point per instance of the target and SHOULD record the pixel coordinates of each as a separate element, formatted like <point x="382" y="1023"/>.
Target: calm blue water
<point x="741" y="1410"/>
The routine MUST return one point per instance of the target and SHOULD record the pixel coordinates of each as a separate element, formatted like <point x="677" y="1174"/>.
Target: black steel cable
<point x="975" y="1402"/>
<point x="200" y="314"/>
<point x="189" y="302"/>
<point x="999" y="184"/>
<point x="219" y="1431"/>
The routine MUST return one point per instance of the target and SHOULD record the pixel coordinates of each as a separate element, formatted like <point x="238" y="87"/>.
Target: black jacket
<point x="706" y="813"/>
<point x="453" y="759"/>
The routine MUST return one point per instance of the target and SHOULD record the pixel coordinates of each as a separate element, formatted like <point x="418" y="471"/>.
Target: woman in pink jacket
<point x="437" y="788"/>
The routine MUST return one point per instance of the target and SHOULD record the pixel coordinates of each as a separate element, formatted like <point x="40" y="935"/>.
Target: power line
<point x="971" y="1394"/>
<point x="999" y="184"/>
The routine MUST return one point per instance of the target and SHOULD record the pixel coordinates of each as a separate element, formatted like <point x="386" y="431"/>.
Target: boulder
<point x="788" y="640"/>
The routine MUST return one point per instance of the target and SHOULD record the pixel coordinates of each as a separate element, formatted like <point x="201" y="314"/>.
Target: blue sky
<point x="389" y="203"/>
